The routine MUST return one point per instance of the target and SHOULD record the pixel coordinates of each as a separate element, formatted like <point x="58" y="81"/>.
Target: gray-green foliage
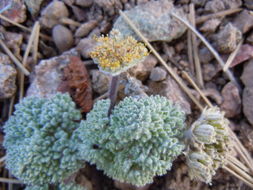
<point x="41" y="147"/>
<point x="61" y="186"/>
<point x="138" y="142"/>
<point x="37" y="187"/>
<point x="70" y="186"/>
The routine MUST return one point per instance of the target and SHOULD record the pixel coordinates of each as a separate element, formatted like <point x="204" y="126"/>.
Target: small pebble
<point x="158" y="74"/>
<point x="62" y="37"/>
<point x="85" y="28"/>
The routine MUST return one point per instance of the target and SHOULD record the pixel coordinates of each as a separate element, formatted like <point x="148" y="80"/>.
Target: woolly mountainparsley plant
<point x="139" y="140"/>
<point x="41" y="147"/>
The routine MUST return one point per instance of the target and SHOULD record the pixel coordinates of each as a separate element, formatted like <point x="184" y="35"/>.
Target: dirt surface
<point x="69" y="27"/>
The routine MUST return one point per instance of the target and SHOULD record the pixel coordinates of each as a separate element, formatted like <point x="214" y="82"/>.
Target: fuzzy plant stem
<point x="113" y="92"/>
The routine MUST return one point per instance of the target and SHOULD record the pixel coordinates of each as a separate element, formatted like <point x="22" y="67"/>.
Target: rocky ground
<point x="63" y="58"/>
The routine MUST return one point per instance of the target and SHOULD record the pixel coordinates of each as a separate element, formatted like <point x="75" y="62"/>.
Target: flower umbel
<point x="209" y="145"/>
<point x="115" y="54"/>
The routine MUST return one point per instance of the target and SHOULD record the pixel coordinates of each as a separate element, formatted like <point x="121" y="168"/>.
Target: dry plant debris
<point x="76" y="81"/>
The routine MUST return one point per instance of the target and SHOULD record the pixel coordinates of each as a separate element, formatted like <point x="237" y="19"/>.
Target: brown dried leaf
<point x="76" y="81"/>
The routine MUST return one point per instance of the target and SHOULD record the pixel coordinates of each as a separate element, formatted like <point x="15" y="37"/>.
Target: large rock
<point x="248" y="104"/>
<point x="231" y="100"/>
<point x="49" y="75"/>
<point x="170" y="89"/>
<point x="8" y="75"/>
<point x="154" y="21"/>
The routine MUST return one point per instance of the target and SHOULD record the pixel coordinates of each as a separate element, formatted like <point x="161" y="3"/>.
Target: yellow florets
<point x="115" y="54"/>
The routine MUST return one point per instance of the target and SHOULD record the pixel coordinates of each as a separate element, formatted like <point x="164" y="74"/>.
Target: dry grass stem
<point x="6" y="180"/>
<point x="208" y="45"/>
<point x="69" y="21"/>
<point x="11" y="105"/>
<point x="4" y="175"/>
<point x="36" y="45"/>
<point x="189" y="49"/>
<point x="197" y="88"/>
<point x="231" y="171"/>
<point x="169" y="69"/>
<point x="24" y="62"/>
<point x="202" y="19"/>
<point x="242" y="150"/>
<point x="13" y="58"/>
<point x="10" y="185"/>
<point x="23" y="27"/>
<point x="237" y="162"/>
<point x="195" y="49"/>
<point x="232" y="56"/>
<point x="241" y="172"/>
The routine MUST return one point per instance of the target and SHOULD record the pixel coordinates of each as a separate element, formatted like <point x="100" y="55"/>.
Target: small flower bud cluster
<point x="209" y="144"/>
<point x="115" y="54"/>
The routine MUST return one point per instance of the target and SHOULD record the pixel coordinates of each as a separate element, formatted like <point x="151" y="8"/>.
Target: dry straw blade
<point x="13" y="58"/>
<point x="23" y="27"/>
<point x="202" y="19"/>
<point x="208" y="45"/>
<point x="24" y="62"/>
<point x="195" y="48"/>
<point x="232" y="56"/>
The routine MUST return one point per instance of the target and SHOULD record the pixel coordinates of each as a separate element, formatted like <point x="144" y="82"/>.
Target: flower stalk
<point x="113" y="91"/>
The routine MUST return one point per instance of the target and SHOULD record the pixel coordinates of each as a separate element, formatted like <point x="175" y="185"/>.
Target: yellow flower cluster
<point x="115" y="54"/>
